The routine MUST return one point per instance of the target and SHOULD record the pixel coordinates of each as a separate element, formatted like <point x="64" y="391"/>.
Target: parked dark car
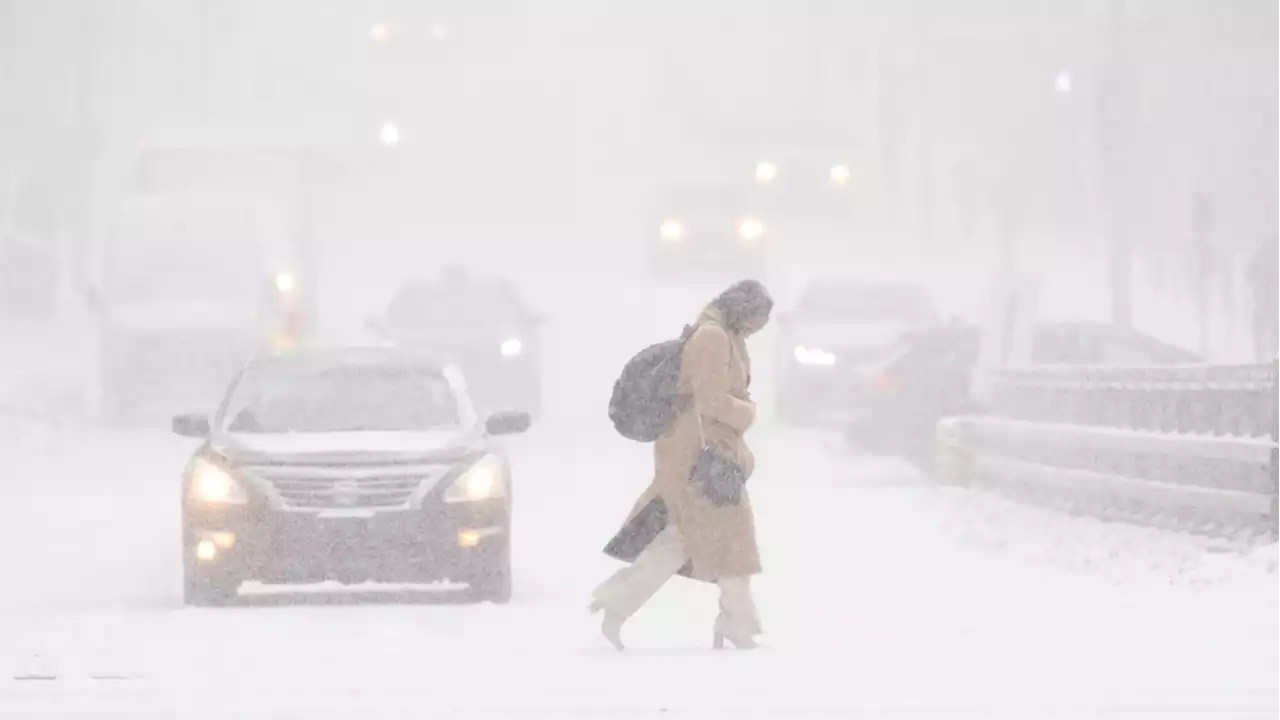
<point x="481" y="325"/>
<point x="350" y="465"/>
<point x="930" y="375"/>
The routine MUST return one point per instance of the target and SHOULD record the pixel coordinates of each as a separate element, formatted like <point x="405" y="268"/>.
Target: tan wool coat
<point x="715" y="372"/>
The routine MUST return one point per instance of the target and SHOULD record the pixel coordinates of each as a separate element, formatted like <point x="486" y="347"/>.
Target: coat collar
<point x="711" y="315"/>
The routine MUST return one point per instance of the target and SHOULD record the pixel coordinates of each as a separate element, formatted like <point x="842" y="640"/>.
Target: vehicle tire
<point x="201" y="589"/>
<point x="493" y="583"/>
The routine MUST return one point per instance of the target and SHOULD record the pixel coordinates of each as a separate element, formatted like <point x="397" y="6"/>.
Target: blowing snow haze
<point x="297" y="297"/>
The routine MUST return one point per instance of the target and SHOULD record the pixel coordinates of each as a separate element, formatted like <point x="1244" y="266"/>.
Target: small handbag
<point x="719" y="478"/>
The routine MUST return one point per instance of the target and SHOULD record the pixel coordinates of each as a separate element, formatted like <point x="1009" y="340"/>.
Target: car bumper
<point x="438" y="543"/>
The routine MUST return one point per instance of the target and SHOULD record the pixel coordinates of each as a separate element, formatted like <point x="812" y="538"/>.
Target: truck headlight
<point x="511" y="347"/>
<point x="210" y="483"/>
<point x="814" y="356"/>
<point x="482" y="481"/>
<point x="840" y="175"/>
<point x="766" y="172"/>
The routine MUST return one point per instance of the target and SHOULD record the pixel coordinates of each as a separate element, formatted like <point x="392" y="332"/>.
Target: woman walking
<point x="701" y="538"/>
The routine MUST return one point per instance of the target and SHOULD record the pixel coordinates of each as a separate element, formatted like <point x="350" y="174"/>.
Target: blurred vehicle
<point x="354" y="465"/>
<point x="481" y="325"/>
<point x="834" y="328"/>
<point x="708" y="233"/>
<point x="806" y="173"/>
<point x="930" y="374"/>
<point x="189" y="287"/>
<point x="806" y="187"/>
<point x="285" y="169"/>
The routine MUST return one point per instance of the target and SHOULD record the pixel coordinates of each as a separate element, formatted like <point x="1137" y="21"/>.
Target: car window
<point x="346" y="399"/>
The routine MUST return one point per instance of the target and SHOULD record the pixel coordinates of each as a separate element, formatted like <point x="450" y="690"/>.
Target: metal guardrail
<point x="1228" y="400"/>
<point x="1192" y="447"/>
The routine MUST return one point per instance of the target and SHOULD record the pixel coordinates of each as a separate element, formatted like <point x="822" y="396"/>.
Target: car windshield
<point x="341" y="399"/>
<point x="864" y="303"/>
<point x="446" y="303"/>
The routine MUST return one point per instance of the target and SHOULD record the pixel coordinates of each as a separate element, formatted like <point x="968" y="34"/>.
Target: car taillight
<point x="295" y="322"/>
<point x="887" y="383"/>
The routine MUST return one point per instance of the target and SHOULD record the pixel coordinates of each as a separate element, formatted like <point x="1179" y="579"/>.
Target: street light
<point x="1062" y="83"/>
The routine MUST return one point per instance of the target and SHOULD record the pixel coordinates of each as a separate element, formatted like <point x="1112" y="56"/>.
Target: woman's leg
<point x="738" y="620"/>
<point x="628" y="589"/>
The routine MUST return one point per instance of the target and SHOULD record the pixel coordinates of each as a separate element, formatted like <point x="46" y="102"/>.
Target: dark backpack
<point x="645" y="398"/>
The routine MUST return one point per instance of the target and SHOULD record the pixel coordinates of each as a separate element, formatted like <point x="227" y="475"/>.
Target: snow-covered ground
<point x="883" y="594"/>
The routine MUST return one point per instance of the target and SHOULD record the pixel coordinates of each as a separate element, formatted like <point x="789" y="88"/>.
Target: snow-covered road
<point x="882" y="595"/>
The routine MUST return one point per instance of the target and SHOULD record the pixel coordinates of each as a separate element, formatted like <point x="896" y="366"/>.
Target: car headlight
<point x="766" y="172"/>
<point x="210" y="483"/>
<point x="482" y="481"/>
<point x="840" y="175"/>
<point x="814" y="356"/>
<point x="285" y="283"/>
<point x="511" y="347"/>
<point x="671" y="230"/>
<point x="750" y="229"/>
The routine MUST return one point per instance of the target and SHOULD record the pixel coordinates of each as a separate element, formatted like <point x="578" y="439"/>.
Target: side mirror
<point x="191" y="425"/>
<point x="507" y="423"/>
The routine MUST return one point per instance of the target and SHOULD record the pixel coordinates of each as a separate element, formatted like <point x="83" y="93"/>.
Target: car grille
<point x="337" y="489"/>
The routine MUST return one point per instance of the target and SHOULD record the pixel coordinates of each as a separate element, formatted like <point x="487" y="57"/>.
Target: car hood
<point x="349" y="447"/>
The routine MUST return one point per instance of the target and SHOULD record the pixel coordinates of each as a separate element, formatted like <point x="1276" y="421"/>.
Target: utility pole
<point x="1201" y="221"/>
<point x="1116" y="136"/>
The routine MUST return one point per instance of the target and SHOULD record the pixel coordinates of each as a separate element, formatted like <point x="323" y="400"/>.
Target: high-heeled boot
<point x="718" y="640"/>
<point x="610" y="626"/>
